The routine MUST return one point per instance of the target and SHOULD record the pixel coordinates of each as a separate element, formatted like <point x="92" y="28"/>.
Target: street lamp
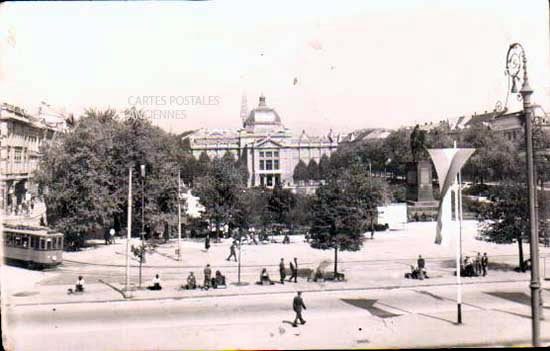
<point x="129" y="228"/>
<point x="140" y="252"/>
<point x="142" y="167"/>
<point x="516" y="62"/>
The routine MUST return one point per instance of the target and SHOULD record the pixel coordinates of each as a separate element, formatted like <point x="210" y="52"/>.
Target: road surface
<point x="494" y="314"/>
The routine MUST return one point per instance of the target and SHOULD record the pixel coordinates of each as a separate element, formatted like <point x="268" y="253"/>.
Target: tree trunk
<point x="520" y="248"/>
<point x="335" y="261"/>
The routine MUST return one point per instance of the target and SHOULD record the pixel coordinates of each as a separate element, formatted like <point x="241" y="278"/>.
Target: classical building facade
<point x="21" y="136"/>
<point x="270" y="150"/>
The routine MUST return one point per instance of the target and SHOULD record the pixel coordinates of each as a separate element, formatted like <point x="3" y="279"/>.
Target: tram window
<point x="42" y="244"/>
<point x="17" y="240"/>
<point x="10" y="239"/>
<point x="49" y="244"/>
<point x="25" y="241"/>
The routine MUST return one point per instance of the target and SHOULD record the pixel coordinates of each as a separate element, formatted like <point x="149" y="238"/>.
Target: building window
<point x="269" y="180"/>
<point x="261" y="154"/>
<point x="18" y="157"/>
<point x="276" y="154"/>
<point x="262" y="165"/>
<point x="268" y="154"/>
<point x="275" y="164"/>
<point x="269" y="165"/>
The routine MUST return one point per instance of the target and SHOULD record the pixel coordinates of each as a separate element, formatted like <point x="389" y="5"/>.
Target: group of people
<point x="191" y="282"/>
<point x="109" y="236"/>
<point x="266" y="280"/>
<point x="418" y="272"/>
<point x="209" y="282"/>
<point x="475" y="267"/>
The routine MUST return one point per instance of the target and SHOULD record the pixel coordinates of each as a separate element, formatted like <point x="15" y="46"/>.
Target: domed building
<point x="270" y="150"/>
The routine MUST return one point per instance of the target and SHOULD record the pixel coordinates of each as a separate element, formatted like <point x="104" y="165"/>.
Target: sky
<point x="339" y="65"/>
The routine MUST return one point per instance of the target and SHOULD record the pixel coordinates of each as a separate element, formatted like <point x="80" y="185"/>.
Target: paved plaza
<point x="381" y="262"/>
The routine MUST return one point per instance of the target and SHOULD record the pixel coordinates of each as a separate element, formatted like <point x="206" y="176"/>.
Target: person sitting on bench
<point x="468" y="267"/>
<point x="79" y="287"/>
<point x="286" y="239"/>
<point x="156" y="283"/>
<point x="264" y="278"/>
<point x="413" y="274"/>
<point x="191" y="281"/>
<point x="218" y="280"/>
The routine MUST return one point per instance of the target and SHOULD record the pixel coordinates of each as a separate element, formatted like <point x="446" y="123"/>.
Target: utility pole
<point x="129" y="234"/>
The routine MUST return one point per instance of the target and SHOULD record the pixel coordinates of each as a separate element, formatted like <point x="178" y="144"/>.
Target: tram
<point x="35" y="247"/>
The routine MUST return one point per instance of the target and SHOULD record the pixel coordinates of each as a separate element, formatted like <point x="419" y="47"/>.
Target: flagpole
<point x="458" y="251"/>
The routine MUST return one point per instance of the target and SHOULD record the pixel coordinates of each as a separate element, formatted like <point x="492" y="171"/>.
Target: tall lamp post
<point x="142" y="167"/>
<point x="141" y="250"/>
<point x="516" y="62"/>
<point x="129" y="228"/>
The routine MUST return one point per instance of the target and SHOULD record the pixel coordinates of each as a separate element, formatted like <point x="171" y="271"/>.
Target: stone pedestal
<point x="420" y="196"/>
<point x="419" y="182"/>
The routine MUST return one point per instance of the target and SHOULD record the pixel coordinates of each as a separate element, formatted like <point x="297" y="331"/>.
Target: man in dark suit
<point x="232" y="252"/>
<point x="297" y="305"/>
<point x="421" y="264"/>
<point x="207" y="275"/>
<point x="484" y="263"/>
<point x="282" y="271"/>
<point x="294" y="270"/>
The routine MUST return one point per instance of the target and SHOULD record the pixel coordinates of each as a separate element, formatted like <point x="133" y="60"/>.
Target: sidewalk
<point x="171" y="289"/>
<point x="381" y="263"/>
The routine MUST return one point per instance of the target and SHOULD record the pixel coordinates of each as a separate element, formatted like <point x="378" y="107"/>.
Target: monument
<point x="420" y="196"/>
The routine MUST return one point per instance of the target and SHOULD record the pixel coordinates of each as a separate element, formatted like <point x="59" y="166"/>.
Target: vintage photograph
<point x="272" y="175"/>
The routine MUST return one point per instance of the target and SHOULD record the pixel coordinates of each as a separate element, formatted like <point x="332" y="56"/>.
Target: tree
<point x="324" y="164"/>
<point x="343" y="208"/>
<point x="280" y="204"/>
<point x="397" y="151"/>
<point x="74" y="177"/>
<point x="218" y="192"/>
<point x="507" y="219"/>
<point x="300" y="172"/>
<point x="85" y="174"/>
<point x="495" y="159"/>
<point x="312" y="170"/>
<point x="250" y="207"/>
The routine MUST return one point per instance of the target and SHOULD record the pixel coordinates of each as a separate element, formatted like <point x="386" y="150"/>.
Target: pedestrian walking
<point x="294" y="270"/>
<point x="207" y="277"/>
<point x="282" y="271"/>
<point x="106" y="237"/>
<point x="484" y="263"/>
<point x="297" y="305"/>
<point x="207" y="242"/>
<point x="421" y="264"/>
<point x="232" y="252"/>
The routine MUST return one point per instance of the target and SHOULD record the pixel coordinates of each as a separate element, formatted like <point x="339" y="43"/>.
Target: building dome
<point x="262" y="116"/>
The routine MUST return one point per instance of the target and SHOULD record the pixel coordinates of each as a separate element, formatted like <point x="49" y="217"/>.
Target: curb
<point x="114" y="288"/>
<point x="279" y="292"/>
